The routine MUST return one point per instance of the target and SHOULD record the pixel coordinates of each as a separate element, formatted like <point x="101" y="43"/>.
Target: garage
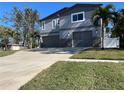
<point x="51" y="41"/>
<point x="82" y="39"/>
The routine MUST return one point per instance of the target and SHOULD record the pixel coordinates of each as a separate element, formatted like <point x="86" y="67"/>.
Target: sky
<point x="45" y="8"/>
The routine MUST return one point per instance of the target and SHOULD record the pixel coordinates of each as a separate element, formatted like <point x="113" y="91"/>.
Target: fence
<point x="111" y="42"/>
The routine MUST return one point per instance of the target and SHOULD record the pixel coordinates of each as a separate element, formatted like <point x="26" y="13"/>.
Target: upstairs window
<point x="55" y="23"/>
<point x="43" y="25"/>
<point x="77" y="17"/>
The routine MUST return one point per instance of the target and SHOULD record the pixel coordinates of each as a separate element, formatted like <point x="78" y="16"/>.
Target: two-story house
<point x="70" y="27"/>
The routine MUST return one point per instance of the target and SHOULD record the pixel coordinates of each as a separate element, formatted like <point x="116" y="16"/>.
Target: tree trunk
<point x="30" y="43"/>
<point x="24" y="37"/>
<point x="32" y="38"/>
<point x="121" y="41"/>
<point x="39" y="42"/>
<point x="5" y="47"/>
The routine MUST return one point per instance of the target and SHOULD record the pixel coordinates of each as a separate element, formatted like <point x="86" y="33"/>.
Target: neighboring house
<point x="71" y="27"/>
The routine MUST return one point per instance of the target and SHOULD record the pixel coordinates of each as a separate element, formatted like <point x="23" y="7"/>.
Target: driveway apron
<point x="19" y="68"/>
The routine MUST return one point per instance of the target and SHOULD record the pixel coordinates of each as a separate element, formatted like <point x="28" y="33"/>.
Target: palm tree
<point x="105" y="15"/>
<point x="118" y="29"/>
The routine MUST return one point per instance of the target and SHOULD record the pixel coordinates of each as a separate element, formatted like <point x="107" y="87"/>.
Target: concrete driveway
<point x="19" y="68"/>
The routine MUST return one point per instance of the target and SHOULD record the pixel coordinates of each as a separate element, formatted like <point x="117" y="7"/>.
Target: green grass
<point x="79" y="75"/>
<point x="112" y="54"/>
<point x="6" y="53"/>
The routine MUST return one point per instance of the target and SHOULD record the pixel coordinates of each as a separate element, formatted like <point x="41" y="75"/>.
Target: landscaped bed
<point x="79" y="75"/>
<point x="6" y="53"/>
<point x="112" y="54"/>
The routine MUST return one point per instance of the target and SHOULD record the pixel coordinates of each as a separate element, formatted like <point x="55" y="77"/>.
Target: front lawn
<point x="6" y="53"/>
<point x="112" y="54"/>
<point x="79" y="75"/>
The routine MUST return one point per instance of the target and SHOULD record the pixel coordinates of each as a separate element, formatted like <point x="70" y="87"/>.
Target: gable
<point x="75" y="7"/>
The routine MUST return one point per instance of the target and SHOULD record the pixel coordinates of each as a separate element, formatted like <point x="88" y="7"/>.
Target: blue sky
<point x="45" y="8"/>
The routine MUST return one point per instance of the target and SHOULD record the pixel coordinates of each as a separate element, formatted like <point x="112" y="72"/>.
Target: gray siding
<point x="48" y="26"/>
<point x="66" y="28"/>
<point x="65" y="19"/>
<point x="67" y="34"/>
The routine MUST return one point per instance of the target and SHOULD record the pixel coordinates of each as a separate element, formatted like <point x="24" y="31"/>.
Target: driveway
<point x="19" y="68"/>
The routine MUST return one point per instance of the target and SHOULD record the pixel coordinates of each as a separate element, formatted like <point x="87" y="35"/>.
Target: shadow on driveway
<point x="57" y="50"/>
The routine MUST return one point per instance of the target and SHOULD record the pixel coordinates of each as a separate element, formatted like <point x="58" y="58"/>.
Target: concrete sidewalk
<point x="93" y="60"/>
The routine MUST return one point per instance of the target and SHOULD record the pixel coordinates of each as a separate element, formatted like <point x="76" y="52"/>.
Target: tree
<point x="15" y="19"/>
<point x="35" y="19"/>
<point x="118" y="29"/>
<point x="27" y="26"/>
<point x="18" y="19"/>
<point x="5" y="35"/>
<point x="105" y="15"/>
<point x="36" y="39"/>
<point x="31" y="18"/>
<point x="24" y="22"/>
<point x="16" y="36"/>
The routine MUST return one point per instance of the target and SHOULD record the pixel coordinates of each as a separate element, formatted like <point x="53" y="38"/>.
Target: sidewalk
<point x="94" y="60"/>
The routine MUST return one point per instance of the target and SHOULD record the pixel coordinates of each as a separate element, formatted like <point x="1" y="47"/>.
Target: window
<point x="55" y="23"/>
<point x="80" y="16"/>
<point x="43" y="25"/>
<point x="77" y="17"/>
<point x="57" y="20"/>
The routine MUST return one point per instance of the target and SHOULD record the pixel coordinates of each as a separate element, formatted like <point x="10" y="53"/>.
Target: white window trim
<point x="43" y="22"/>
<point x="52" y="23"/>
<point x="77" y="14"/>
<point x="56" y="22"/>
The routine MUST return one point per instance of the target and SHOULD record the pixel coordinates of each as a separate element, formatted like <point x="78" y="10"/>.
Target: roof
<point x="65" y="9"/>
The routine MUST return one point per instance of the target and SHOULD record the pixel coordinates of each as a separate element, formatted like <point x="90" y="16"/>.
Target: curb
<point x="94" y="60"/>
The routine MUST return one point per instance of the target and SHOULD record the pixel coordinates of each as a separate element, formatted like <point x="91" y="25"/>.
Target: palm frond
<point x="110" y="6"/>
